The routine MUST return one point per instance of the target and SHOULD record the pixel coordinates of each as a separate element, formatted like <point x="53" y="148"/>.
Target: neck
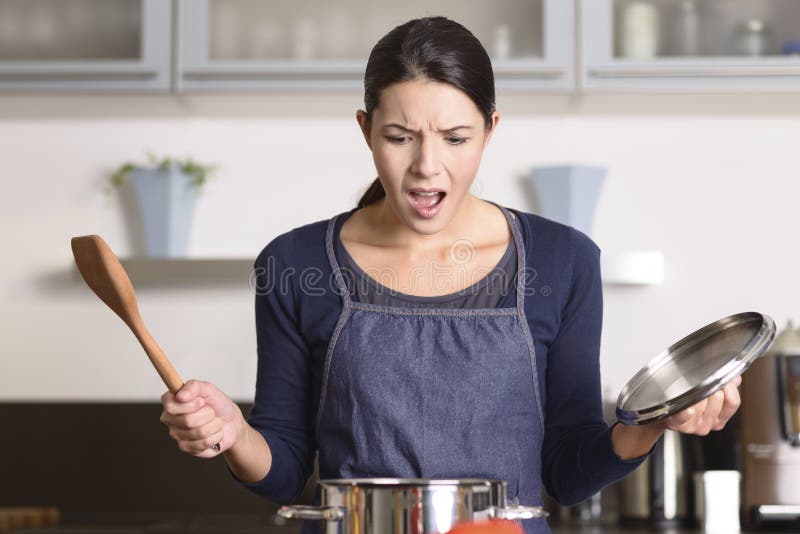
<point x="398" y="234"/>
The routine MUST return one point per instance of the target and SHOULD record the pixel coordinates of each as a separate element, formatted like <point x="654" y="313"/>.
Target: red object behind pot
<point x="493" y="526"/>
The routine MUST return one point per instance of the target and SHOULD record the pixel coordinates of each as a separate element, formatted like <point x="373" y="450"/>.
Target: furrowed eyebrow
<point x="403" y="128"/>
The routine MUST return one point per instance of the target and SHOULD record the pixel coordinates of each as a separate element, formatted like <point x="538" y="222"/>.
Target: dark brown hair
<point x="433" y="48"/>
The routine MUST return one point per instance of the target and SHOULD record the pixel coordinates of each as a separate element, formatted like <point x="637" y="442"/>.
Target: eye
<point x="453" y="140"/>
<point x="396" y="140"/>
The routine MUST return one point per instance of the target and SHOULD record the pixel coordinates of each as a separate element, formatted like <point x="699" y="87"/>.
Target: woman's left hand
<point x="711" y="413"/>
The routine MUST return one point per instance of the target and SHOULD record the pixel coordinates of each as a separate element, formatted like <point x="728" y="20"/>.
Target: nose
<point x="426" y="160"/>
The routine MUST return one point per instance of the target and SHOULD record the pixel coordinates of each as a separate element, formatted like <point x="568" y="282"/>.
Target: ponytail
<point x="375" y="192"/>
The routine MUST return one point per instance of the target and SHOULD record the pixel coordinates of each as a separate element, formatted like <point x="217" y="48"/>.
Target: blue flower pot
<point x="568" y="194"/>
<point x="166" y="203"/>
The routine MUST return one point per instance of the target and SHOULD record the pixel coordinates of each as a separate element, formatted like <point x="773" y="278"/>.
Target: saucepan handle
<point x="517" y="512"/>
<point x="314" y="513"/>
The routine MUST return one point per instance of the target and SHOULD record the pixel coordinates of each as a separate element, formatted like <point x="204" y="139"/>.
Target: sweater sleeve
<point x="282" y="407"/>
<point x="578" y="458"/>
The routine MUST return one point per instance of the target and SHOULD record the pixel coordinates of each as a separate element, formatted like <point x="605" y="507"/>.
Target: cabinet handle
<point x="132" y="74"/>
<point x="697" y="72"/>
<point x="529" y="73"/>
<point x="228" y="73"/>
<point x="255" y="75"/>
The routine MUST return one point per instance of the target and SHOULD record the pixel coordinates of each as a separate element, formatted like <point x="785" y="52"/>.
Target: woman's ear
<point x="364" y="124"/>
<point x="492" y="128"/>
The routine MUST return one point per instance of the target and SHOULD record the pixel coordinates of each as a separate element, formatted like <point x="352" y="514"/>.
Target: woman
<point x="473" y="354"/>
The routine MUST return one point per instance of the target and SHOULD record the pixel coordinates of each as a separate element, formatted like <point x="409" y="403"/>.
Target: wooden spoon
<point x="105" y="275"/>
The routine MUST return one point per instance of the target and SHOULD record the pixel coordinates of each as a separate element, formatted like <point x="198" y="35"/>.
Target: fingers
<point x="712" y="413"/>
<point x="209" y="452"/>
<point x="201" y="447"/>
<point x="174" y="407"/>
<point x="194" y="389"/>
<point x="697" y="419"/>
<point x="187" y="421"/>
<point x="197" y="433"/>
<point x="192" y="422"/>
<point x="710" y="417"/>
<point x="682" y="420"/>
<point x="730" y="405"/>
<point x="190" y="398"/>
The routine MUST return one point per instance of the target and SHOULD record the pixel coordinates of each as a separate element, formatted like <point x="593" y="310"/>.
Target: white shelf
<point x="636" y="268"/>
<point x="185" y="273"/>
<point x="192" y="272"/>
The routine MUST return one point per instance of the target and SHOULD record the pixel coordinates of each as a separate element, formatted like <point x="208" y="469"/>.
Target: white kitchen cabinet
<point x="55" y="45"/>
<point x="312" y="44"/>
<point x="680" y="45"/>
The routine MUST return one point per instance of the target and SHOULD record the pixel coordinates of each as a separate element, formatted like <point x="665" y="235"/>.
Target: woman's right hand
<point x="199" y="416"/>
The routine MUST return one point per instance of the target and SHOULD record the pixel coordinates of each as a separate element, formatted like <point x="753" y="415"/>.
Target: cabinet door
<point x="317" y="44"/>
<point x="706" y="45"/>
<point x="53" y="45"/>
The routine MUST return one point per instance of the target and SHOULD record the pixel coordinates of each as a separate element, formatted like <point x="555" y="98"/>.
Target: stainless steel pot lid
<point x="695" y="367"/>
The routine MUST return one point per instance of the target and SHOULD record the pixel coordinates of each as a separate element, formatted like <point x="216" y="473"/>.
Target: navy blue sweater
<point x="296" y="309"/>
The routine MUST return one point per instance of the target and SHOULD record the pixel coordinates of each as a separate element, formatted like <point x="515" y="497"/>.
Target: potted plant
<point x="165" y="192"/>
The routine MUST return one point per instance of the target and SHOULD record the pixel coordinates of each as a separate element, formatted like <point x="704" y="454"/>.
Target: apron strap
<point x="341" y="286"/>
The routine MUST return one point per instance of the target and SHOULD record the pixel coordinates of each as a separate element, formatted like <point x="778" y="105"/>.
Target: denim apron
<point x="432" y="392"/>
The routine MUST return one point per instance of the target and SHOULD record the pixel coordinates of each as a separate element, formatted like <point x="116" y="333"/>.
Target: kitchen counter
<point x="268" y="525"/>
<point x="202" y="524"/>
<point x="608" y="529"/>
<point x="615" y="529"/>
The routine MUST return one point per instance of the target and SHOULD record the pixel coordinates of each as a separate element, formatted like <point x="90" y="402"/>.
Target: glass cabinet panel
<point x="57" y="30"/>
<point x="54" y="45"/>
<point x="647" y="29"/>
<point x="252" y="44"/>
<point x="347" y="29"/>
<point x="728" y="45"/>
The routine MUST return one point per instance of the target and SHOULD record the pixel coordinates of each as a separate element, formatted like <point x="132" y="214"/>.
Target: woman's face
<point x="426" y="137"/>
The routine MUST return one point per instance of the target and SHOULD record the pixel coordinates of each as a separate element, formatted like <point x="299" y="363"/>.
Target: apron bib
<point x="432" y="392"/>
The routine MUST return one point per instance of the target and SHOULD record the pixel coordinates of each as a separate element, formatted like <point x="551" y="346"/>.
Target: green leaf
<point x="199" y="172"/>
<point x="121" y="175"/>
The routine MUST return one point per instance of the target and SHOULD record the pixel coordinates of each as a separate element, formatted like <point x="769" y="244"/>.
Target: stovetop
<point x="208" y="524"/>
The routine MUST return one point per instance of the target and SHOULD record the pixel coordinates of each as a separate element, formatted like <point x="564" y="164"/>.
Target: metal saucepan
<point x="695" y="367"/>
<point x="408" y="505"/>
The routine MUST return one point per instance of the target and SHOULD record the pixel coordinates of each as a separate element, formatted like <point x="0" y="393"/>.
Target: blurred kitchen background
<point x="689" y="108"/>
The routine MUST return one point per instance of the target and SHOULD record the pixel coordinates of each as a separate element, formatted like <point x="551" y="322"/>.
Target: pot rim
<point x="410" y="482"/>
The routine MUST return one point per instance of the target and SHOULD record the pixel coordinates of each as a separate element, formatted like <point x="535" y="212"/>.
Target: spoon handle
<point x="160" y="361"/>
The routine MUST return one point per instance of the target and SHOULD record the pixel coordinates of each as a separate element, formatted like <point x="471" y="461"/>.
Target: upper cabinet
<point x="690" y="44"/>
<point x="85" y="45"/>
<point x="223" y="45"/>
<point x="262" y="44"/>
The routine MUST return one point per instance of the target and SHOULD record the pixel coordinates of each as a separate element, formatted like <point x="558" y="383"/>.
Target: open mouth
<point x="426" y="200"/>
<point x="426" y="203"/>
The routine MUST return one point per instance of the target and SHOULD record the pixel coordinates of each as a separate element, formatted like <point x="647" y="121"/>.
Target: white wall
<point x="711" y="180"/>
